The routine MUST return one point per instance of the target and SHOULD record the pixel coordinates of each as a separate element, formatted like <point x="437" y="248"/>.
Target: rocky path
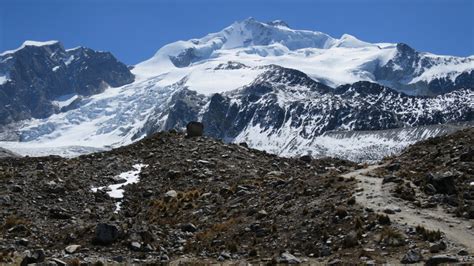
<point x="371" y="193"/>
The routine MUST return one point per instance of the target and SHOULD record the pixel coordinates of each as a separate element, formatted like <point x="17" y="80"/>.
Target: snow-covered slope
<point x="324" y="58"/>
<point x="274" y="87"/>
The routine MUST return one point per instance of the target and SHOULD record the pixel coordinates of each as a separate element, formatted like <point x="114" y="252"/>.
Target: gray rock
<point x="135" y="246"/>
<point x="437" y="247"/>
<point x="287" y="257"/>
<point x="59" y="262"/>
<point x="443" y="182"/>
<point x="5" y="200"/>
<point x="71" y="249"/>
<point x="106" y="234"/>
<point x="412" y="256"/>
<point x="171" y="194"/>
<point x="438" y="259"/>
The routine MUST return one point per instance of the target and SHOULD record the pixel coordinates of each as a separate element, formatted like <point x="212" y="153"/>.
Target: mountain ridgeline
<point x="276" y="88"/>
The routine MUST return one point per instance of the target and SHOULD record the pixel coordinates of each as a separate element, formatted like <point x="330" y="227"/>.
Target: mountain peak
<point x="278" y="22"/>
<point x="29" y="43"/>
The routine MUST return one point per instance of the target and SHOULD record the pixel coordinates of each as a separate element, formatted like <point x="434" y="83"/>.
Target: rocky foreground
<point x="174" y="199"/>
<point x="438" y="171"/>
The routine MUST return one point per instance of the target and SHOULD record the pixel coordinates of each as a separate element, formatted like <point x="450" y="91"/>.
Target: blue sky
<point x="135" y="29"/>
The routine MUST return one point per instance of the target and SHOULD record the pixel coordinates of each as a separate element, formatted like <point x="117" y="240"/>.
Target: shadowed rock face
<point x="39" y="74"/>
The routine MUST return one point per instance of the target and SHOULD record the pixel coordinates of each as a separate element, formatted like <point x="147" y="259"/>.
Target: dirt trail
<point x="377" y="196"/>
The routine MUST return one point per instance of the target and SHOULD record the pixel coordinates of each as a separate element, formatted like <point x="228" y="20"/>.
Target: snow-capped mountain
<point x="278" y="89"/>
<point x="40" y="78"/>
<point x="325" y="59"/>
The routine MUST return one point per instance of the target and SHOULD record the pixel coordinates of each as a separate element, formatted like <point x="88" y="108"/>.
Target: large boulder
<point x="444" y="183"/>
<point x="106" y="234"/>
<point x="194" y="129"/>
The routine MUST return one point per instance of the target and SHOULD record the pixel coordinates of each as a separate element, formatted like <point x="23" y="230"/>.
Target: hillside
<point x="189" y="199"/>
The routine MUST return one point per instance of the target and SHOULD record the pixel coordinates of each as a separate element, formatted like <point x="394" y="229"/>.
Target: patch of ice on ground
<point x="116" y="190"/>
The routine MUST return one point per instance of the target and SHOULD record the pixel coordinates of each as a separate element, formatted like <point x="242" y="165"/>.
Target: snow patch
<point x="116" y="190"/>
<point x="65" y="100"/>
<point x="3" y="79"/>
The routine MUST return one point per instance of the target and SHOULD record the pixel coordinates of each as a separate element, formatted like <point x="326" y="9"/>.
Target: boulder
<point x="106" y="234"/>
<point x="444" y="183"/>
<point x="194" y="129"/>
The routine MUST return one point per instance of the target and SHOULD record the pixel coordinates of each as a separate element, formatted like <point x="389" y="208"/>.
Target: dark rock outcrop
<point x="39" y="74"/>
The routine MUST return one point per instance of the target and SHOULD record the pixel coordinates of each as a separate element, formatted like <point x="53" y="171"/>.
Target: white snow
<point x="3" y="79"/>
<point x="65" y="100"/>
<point x="29" y="43"/>
<point x="116" y="190"/>
<point x="69" y="60"/>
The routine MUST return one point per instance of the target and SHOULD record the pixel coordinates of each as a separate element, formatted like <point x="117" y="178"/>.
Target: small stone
<point x="16" y="188"/>
<point x="463" y="252"/>
<point x="118" y="259"/>
<point x="261" y="214"/>
<point x="437" y="247"/>
<point x="59" y="262"/>
<point x="171" y="194"/>
<point x="5" y="200"/>
<point x="350" y="240"/>
<point x="135" y="246"/>
<point x="287" y="257"/>
<point x="189" y="228"/>
<point x="438" y="259"/>
<point x="22" y="242"/>
<point x="225" y="255"/>
<point x="306" y="158"/>
<point x="59" y="213"/>
<point x="164" y="257"/>
<point x="72" y="249"/>
<point x="412" y="256"/>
